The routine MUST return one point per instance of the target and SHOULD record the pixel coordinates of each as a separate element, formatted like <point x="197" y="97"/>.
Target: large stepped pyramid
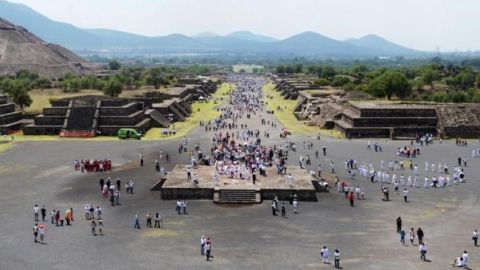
<point x="22" y="50"/>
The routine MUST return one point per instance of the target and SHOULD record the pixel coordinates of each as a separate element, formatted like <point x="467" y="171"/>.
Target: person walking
<point x="422" y="248"/>
<point x="412" y="236"/>
<point x="402" y="237"/>
<point x="295" y="205"/>
<point x="203" y="241"/>
<point x="35" y="233"/>
<point x="465" y="258"/>
<point x="420" y="235"/>
<point x="93" y="226"/>
<point x="351" y="198"/>
<point x="100" y="227"/>
<point x="137" y="222"/>
<point x="36" y="210"/>
<point x="41" y="233"/>
<point x="336" y="258"/>
<point x="157" y="219"/>
<point x="475" y="237"/>
<point x="405" y="194"/>
<point x="208" y="248"/>
<point x="149" y="219"/>
<point x="399" y="224"/>
<point x="284" y="210"/>
<point x="274" y="210"/>
<point x="325" y="254"/>
<point x="43" y="211"/>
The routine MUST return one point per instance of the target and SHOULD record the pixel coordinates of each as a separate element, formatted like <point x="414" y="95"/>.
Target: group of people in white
<point x="386" y="174"/>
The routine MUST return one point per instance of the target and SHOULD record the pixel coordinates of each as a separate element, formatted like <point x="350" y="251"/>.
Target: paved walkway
<point x="243" y="237"/>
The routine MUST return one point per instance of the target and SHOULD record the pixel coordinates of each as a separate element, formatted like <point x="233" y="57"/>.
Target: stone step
<point x="237" y="196"/>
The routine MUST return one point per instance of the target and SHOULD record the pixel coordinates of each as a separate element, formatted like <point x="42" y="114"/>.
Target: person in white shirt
<point x="36" y="210"/>
<point x="325" y="254"/>
<point x="475" y="237"/>
<point x="465" y="258"/>
<point x="295" y="205"/>
<point x="405" y="194"/>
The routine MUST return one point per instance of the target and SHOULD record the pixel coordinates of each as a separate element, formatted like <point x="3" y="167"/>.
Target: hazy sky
<point x="420" y="24"/>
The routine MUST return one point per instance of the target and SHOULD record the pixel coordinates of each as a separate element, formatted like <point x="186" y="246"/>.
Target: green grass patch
<point x="201" y="111"/>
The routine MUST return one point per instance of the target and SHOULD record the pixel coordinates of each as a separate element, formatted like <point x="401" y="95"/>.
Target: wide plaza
<point x="246" y="236"/>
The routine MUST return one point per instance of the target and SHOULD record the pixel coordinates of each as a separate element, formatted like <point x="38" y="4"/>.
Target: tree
<point x="478" y="81"/>
<point x="298" y="68"/>
<point x="430" y="75"/>
<point x="114" y="65"/>
<point x="321" y="82"/>
<point x="155" y="78"/>
<point x="328" y="72"/>
<point x="280" y="69"/>
<point x="390" y="83"/>
<point x="19" y="93"/>
<point x="113" y="87"/>
<point x="466" y="79"/>
<point x="340" y="81"/>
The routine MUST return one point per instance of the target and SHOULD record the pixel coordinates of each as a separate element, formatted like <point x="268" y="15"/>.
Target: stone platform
<point x="176" y="186"/>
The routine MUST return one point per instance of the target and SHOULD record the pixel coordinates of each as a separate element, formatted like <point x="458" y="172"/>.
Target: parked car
<point x="129" y="133"/>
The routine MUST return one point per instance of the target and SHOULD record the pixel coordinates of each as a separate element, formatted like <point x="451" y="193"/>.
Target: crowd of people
<point x="93" y="165"/>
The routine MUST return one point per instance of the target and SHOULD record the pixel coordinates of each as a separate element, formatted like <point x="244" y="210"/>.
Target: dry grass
<point x="41" y="97"/>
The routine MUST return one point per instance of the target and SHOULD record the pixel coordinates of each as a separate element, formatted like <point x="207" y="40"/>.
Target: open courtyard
<point x="244" y="236"/>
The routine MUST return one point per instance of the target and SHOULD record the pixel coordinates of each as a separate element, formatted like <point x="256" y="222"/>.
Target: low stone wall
<point x="113" y="130"/>
<point x="122" y="120"/>
<point x="9" y="118"/>
<point x="48" y="120"/>
<point x="41" y="130"/>
<point x="7" y="108"/>
<point x="394" y="121"/>
<point x="462" y="131"/>
<point x="55" y="111"/>
<point x="186" y="193"/>
<point x="120" y="111"/>
<point x="397" y="112"/>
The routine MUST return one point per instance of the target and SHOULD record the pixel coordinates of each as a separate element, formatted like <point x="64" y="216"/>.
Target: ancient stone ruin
<point x="356" y="115"/>
<point x="22" y="50"/>
<point x="89" y="116"/>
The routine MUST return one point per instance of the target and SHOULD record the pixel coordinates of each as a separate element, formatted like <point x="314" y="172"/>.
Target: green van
<point x="129" y="133"/>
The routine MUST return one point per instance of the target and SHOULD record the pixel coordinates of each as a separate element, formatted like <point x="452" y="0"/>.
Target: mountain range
<point x="241" y="42"/>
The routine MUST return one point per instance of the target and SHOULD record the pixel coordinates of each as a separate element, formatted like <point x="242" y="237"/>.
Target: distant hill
<point x="311" y="43"/>
<point x="247" y="35"/>
<point x="381" y="45"/>
<point x="241" y="42"/>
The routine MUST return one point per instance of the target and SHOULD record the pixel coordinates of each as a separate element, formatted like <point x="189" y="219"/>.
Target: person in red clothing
<point x="351" y="198"/>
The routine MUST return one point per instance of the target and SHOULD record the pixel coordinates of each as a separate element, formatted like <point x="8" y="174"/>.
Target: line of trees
<point x="433" y="82"/>
<point x="18" y="86"/>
